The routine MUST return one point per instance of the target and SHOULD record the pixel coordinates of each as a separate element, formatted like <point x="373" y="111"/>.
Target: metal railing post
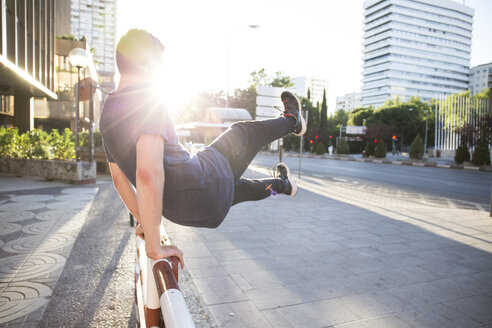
<point x="173" y="305"/>
<point x="157" y="291"/>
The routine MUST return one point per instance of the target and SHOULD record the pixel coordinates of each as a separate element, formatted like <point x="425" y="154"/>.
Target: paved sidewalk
<point x="39" y="223"/>
<point x="339" y="256"/>
<point x="67" y="257"/>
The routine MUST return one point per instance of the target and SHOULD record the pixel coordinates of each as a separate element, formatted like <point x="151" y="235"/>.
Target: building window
<point x="7" y="105"/>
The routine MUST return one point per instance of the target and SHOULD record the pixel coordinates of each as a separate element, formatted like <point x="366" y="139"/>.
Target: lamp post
<point x="78" y="58"/>
<point x="255" y="27"/>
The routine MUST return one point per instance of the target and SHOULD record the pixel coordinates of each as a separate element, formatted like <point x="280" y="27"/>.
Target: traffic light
<point x="375" y="140"/>
<point x="311" y="141"/>
<point x="316" y="136"/>
<point x="394" y="138"/>
<point x="331" y="137"/>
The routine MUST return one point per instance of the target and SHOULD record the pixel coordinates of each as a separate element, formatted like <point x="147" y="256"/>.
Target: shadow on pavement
<point x="96" y="285"/>
<point x="314" y="261"/>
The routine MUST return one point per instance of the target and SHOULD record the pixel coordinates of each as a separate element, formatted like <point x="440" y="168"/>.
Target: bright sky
<point x="318" y="38"/>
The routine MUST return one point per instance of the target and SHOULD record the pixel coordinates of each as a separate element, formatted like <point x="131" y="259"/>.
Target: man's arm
<point x="125" y="189"/>
<point x="150" y="188"/>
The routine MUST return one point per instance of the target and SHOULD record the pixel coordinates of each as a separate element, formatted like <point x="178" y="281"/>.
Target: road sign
<point x="355" y="130"/>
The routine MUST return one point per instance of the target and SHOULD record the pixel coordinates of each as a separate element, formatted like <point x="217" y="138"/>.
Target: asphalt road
<point x="462" y="186"/>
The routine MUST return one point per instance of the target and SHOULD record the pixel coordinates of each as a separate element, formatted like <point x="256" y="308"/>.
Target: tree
<point x="340" y="118"/>
<point x="380" y="132"/>
<point x="281" y="81"/>
<point x="380" y="151"/>
<point x="462" y="154"/>
<point x="323" y="116"/>
<point x="358" y="115"/>
<point x="319" y="148"/>
<point x="369" y="150"/>
<point x="417" y="148"/>
<point x="342" y="147"/>
<point x="245" y="98"/>
<point x="313" y="116"/>
<point x="481" y="154"/>
<point x="259" y="78"/>
<point x="309" y="94"/>
<point x="408" y="118"/>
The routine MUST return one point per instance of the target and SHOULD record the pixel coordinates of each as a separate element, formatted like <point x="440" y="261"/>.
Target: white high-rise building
<point x="415" y="48"/>
<point x="480" y="78"/>
<point x="315" y="85"/>
<point x="349" y="102"/>
<point x="96" y="21"/>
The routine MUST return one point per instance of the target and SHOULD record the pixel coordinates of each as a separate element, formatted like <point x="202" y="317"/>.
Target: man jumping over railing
<point x="144" y="153"/>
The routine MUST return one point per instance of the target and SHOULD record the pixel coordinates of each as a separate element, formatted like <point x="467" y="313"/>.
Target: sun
<point x="172" y="86"/>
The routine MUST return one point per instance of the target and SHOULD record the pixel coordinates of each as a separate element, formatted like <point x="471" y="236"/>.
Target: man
<point x="144" y="153"/>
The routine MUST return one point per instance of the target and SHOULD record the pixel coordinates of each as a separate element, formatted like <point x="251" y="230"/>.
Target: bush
<point x="481" y="154"/>
<point x="417" y="148"/>
<point x="63" y="145"/>
<point x="36" y="144"/>
<point x="369" y="150"/>
<point x="342" y="147"/>
<point x="380" y="149"/>
<point x="319" y="148"/>
<point x="462" y="155"/>
<point x="8" y="139"/>
<point x="84" y="139"/>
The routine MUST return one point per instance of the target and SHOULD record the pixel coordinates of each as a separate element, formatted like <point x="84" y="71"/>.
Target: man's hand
<point x="167" y="251"/>
<point x="139" y="231"/>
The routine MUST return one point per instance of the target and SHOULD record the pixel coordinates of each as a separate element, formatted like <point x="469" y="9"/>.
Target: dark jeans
<point x="240" y="144"/>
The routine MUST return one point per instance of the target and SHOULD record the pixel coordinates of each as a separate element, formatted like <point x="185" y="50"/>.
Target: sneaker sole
<point x="292" y="183"/>
<point x="303" y="126"/>
<point x="303" y="121"/>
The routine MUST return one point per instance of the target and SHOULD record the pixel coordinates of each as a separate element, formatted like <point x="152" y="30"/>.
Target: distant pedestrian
<point x="143" y="151"/>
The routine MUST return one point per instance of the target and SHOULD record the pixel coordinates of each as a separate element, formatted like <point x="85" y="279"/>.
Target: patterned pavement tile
<point x="38" y="248"/>
<point x="21" y="206"/>
<point x="15" y="216"/>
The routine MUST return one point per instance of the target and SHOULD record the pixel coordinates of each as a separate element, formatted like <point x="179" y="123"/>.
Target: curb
<point x="386" y="161"/>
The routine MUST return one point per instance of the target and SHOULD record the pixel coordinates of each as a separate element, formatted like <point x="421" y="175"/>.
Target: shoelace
<point x="284" y="111"/>
<point x="272" y="171"/>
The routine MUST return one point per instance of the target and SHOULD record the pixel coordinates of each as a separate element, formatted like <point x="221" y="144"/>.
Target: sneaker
<point x="293" y="109"/>
<point x="283" y="173"/>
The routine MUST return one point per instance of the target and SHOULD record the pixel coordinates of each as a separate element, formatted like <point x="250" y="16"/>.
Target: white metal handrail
<point x="157" y="291"/>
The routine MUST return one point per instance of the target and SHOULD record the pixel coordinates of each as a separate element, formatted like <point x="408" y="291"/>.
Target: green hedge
<point x="319" y="148"/>
<point x="369" y="151"/>
<point x="37" y="144"/>
<point x="416" y="148"/>
<point x="481" y="154"/>
<point x="462" y="155"/>
<point x="380" y="151"/>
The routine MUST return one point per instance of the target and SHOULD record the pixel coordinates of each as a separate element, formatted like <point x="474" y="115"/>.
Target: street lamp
<point x="255" y="27"/>
<point x="78" y="58"/>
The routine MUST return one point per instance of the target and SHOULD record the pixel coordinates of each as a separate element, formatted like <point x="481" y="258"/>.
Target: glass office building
<point x="415" y="48"/>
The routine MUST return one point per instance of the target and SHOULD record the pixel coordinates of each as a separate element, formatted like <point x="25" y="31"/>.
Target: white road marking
<point x="450" y="204"/>
<point x="480" y="207"/>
